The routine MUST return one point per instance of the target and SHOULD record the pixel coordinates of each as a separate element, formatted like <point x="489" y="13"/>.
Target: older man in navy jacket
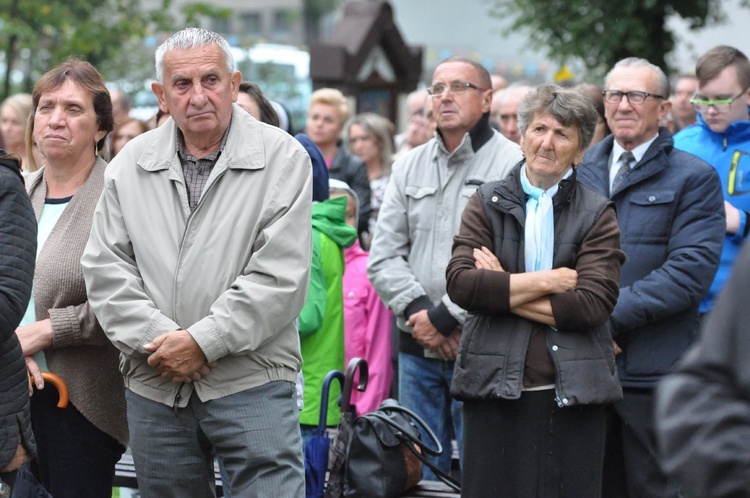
<point x="671" y="215"/>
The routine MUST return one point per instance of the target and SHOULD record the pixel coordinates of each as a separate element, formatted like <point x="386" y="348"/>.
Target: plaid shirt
<point x="196" y="170"/>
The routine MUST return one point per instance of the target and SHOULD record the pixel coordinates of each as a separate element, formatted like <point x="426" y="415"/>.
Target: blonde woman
<point x="14" y="116"/>
<point x="328" y="112"/>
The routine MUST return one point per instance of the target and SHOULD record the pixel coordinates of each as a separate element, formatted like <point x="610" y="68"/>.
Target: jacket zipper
<point x="178" y="396"/>
<point x="177" y="399"/>
<point x="184" y="234"/>
<point x="560" y="397"/>
<point x="517" y="205"/>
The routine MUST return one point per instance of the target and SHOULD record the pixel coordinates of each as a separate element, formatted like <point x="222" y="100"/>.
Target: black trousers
<point x="531" y="448"/>
<point x="75" y="458"/>
<point x="631" y="466"/>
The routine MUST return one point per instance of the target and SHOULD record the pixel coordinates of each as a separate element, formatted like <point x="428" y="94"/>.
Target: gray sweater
<point x="80" y="353"/>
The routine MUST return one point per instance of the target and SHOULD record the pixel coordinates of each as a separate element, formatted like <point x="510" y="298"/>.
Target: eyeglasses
<point x="722" y="106"/>
<point x="634" y="97"/>
<point x="364" y="138"/>
<point x="456" y="88"/>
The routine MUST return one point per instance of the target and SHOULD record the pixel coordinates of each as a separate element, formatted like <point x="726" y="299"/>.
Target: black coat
<point x="703" y="406"/>
<point x="17" y="254"/>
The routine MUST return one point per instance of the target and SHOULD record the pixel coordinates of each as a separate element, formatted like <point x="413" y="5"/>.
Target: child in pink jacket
<point x="367" y="321"/>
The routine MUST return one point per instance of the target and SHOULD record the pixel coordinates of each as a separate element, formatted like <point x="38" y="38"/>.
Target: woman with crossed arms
<point x="537" y="263"/>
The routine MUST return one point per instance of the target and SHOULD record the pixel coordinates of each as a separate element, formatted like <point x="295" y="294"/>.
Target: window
<point x="220" y="25"/>
<point x="281" y="23"/>
<point x="252" y="24"/>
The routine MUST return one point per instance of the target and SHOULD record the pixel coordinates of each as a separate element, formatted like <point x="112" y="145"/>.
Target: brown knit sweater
<point x="80" y="353"/>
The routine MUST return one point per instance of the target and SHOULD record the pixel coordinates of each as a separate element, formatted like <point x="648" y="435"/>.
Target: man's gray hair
<point x="567" y="106"/>
<point x="191" y="38"/>
<point x="662" y="79"/>
<point x="516" y="89"/>
<point x="484" y="75"/>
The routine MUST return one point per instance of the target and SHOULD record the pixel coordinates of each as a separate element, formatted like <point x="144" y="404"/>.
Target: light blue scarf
<point x="539" y="236"/>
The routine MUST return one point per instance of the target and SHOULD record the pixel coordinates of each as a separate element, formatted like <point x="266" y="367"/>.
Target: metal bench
<point x="125" y="475"/>
<point x="125" y="478"/>
<point x="431" y="489"/>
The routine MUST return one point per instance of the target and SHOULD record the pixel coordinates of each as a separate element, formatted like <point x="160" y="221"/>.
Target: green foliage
<point x="133" y="62"/>
<point x="35" y="36"/>
<point x="313" y="11"/>
<point x="601" y="32"/>
<point x="319" y="8"/>
<point x="278" y="80"/>
<point x="193" y="13"/>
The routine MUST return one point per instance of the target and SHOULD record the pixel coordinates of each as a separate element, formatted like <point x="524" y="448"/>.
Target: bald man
<point x="508" y="110"/>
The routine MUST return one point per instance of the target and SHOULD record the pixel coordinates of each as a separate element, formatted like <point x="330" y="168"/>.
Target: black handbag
<point x="385" y="453"/>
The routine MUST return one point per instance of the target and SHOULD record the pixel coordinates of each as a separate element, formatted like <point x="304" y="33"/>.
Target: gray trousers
<point x="255" y="432"/>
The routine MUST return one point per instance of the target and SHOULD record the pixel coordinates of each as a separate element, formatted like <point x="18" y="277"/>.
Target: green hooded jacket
<point x="322" y="318"/>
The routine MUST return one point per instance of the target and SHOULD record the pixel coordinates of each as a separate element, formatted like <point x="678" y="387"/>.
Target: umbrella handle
<point x="62" y="389"/>
<point x="351" y="369"/>
<point x="333" y="374"/>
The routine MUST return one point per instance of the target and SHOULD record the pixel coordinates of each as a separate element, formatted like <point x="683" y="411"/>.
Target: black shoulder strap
<point x="442" y="475"/>
<point x="412" y="441"/>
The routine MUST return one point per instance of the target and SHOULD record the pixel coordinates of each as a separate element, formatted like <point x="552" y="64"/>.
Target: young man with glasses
<point x="670" y="214"/>
<point x="722" y="138"/>
<point x="421" y="212"/>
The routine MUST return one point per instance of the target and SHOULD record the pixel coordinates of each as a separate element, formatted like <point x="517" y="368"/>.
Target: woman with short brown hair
<point x="78" y="446"/>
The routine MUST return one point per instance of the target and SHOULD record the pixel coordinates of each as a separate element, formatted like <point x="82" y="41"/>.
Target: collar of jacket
<point x="513" y="186"/>
<point x="647" y="167"/>
<point x="36" y="186"/>
<point x="11" y="163"/>
<point x="738" y="128"/>
<point x="329" y="217"/>
<point x="511" y="196"/>
<point x="663" y="143"/>
<point x="480" y="133"/>
<point x="243" y="150"/>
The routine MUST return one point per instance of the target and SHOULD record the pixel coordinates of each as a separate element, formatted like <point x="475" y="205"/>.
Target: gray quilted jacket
<point x="17" y="253"/>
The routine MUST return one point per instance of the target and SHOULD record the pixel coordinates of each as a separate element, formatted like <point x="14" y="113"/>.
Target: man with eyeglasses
<point x="421" y="212"/>
<point x="722" y="138"/>
<point x="671" y="221"/>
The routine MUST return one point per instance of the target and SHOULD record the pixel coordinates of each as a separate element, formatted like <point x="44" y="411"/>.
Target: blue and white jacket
<point x="729" y="154"/>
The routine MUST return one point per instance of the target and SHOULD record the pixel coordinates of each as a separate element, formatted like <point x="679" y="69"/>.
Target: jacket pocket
<point x="466" y="335"/>
<point x="650" y="216"/>
<point x="422" y="206"/>
<point x="606" y="345"/>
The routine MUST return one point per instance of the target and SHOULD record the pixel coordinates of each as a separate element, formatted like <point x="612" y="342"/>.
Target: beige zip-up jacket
<point x="421" y="212"/>
<point x="233" y="273"/>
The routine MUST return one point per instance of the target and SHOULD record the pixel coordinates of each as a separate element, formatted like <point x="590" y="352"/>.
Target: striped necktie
<point x="626" y="160"/>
